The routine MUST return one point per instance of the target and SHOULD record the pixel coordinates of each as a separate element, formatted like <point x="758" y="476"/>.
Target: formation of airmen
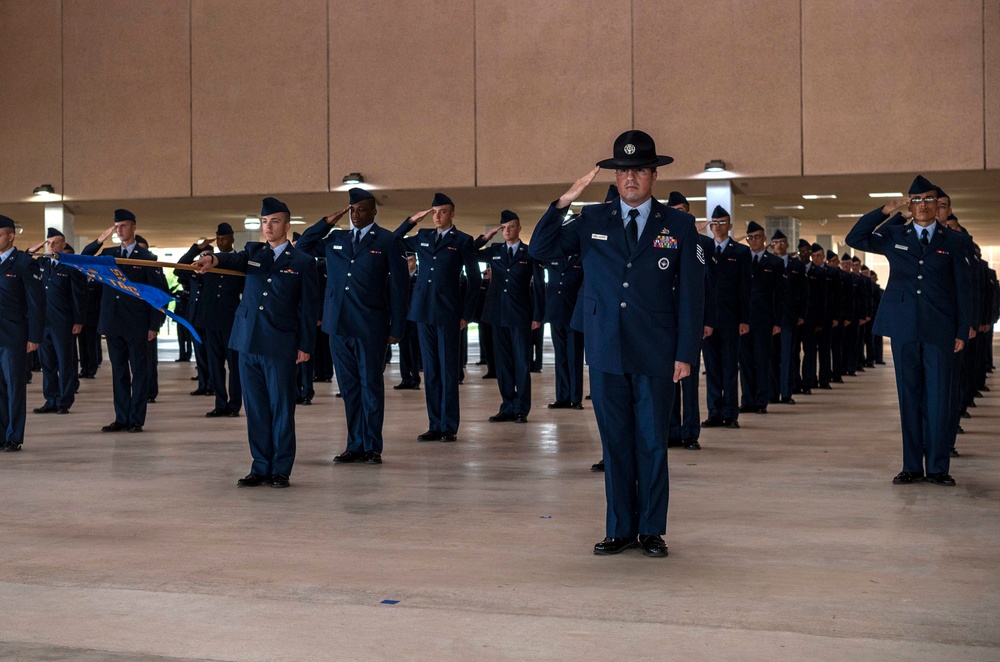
<point x="771" y="325"/>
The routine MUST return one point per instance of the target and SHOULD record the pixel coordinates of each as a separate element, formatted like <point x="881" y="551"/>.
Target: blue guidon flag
<point x="104" y="269"/>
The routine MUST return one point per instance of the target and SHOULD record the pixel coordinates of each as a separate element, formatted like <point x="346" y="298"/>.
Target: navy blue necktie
<point x="632" y="230"/>
<point x="923" y="237"/>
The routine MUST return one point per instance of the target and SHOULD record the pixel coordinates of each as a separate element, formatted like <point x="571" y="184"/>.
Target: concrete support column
<point x="719" y="192"/>
<point x="59" y="217"/>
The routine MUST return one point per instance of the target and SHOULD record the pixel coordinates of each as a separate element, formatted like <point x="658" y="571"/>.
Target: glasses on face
<point x="755" y="237"/>
<point x="928" y="199"/>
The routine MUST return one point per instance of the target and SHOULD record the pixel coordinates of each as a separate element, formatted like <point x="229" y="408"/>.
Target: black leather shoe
<point x="965" y="414"/>
<point x="490" y="375"/>
<point x="151" y="401"/>
<point x="449" y="436"/>
<point x="501" y="418"/>
<point x="279" y="481"/>
<point x="961" y="430"/>
<point x="907" y="477"/>
<point x="597" y="467"/>
<point x="520" y="418"/>
<point x="880" y="363"/>
<point x="405" y="387"/>
<point x="692" y="444"/>
<point x="430" y="435"/>
<point x="558" y="404"/>
<point x="748" y="409"/>
<point x="63" y="410"/>
<point x="731" y="423"/>
<point x="610" y="546"/>
<point x="761" y="410"/>
<point x="674" y="442"/>
<point x="216" y="413"/>
<point x="576" y="405"/>
<point x="135" y="427"/>
<point x="199" y="391"/>
<point x="713" y="422"/>
<point x="826" y="387"/>
<point x="653" y="546"/>
<point x="371" y="457"/>
<point x="954" y="452"/>
<point x="349" y="456"/>
<point x="338" y="394"/>
<point x="306" y="402"/>
<point x="788" y="401"/>
<point x="837" y="380"/>
<point x="114" y="427"/>
<point x="10" y="447"/>
<point x="774" y="401"/>
<point x="45" y="409"/>
<point x="806" y="391"/>
<point x="941" y="479"/>
<point x="253" y="480"/>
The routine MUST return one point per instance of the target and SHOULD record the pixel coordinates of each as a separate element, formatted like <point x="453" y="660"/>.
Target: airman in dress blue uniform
<point x="364" y="311"/>
<point x="514" y="307"/>
<point x="440" y="310"/>
<point x="730" y="263"/>
<point x="927" y="317"/>
<point x="565" y="276"/>
<point x="128" y="325"/>
<point x="639" y="342"/>
<point x="212" y="308"/>
<point x="794" y="306"/>
<point x="275" y="329"/>
<point x="22" y="326"/>
<point x="65" y="294"/>
<point x="766" y="305"/>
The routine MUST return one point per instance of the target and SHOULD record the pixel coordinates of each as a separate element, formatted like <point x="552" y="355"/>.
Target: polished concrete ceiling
<point x="177" y="222"/>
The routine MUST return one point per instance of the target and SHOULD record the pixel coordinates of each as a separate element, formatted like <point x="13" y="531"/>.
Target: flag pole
<point x="152" y="263"/>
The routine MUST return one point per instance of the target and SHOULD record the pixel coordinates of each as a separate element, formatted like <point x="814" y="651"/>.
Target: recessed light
<point x="354" y="178"/>
<point x="251" y="223"/>
<point x="746" y="204"/>
<point x="849" y="215"/>
<point x="697" y="199"/>
<point x="715" y="165"/>
<point x="819" y="197"/>
<point x="297" y="223"/>
<point x="788" y="207"/>
<point x="885" y="195"/>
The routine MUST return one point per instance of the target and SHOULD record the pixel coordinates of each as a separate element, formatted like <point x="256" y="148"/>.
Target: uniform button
<point x="265" y="293"/>
<point x="261" y="308"/>
<point x="920" y="262"/>
<point x="918" y="291"/>
<point x="628" y="266"/>
<point x="624" y="284"/>
<point x="348" y="274"/>
<point x="352" y="261"/>
<point x="505" y="289"/>
<point x="432" y="268"/>
<point x="920" y="277"/>
<point x="269" y="280"/>
<point x="559" y="292"/>
<point x="435" y="257"/>
<point x="624" y="305"/>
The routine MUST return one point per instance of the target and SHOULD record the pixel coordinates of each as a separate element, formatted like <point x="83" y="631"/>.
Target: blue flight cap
<point x="830" y="254"/>
<point x="273" y="206"/>
<point x="224" y="229"/>
<point x="676" y="198"/>
<point x="507" y="215"/>
<point x="921" y="185"/>
<point x="611" y="194"/>
<point x="358" y="194"/>
<point x="856" y="259"/>
<point x="6" y="222"/>
<point x="719" y="212"/>
<point x="846" y="257"/>
<point x="124" y="215"/>
<point x="778" y="234"/>
<point x="140" y="240"/>
<point x="295" y="236"/>
<point x="440" y="200"/>
<point x="803" y="243"/>
<point x="54" y="233"/>
<point x="816" y="248"/>
<point x="754" y="226"/>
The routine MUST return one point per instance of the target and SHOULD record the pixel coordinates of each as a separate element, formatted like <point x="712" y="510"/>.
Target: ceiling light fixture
<point x="849" y="215"/>
<point x="885" y="195"/>
<point x="251" y="223"/>
<point x="695" y="198"/>
<point x="789" y="207"/>
<point x="44" y="189"/>
<point x="746" y="204"/>
<point x="715" y="165"/>
<point x="819" y="197"/>
<point x="297" y="223"/>
<point x="354" y="178"/>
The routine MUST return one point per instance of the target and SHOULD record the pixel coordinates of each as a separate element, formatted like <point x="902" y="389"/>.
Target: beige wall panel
<point x="31" y="78"/>
<point x="402" y="93"/>
<point x="870" y="88"/>
<point x="553" y="90"/>
<point x="992" y="32"/>
<point x="719" y="79"/>
<point x="259" y="96"/>
<point x="126" y="99"/>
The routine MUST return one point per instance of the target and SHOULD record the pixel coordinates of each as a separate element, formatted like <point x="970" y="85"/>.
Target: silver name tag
<point x="496" y="257"/>
<point x="425" y="245"/>
<point x="253" y="264"/>
<point x="902" y="248"/>
<point x="338" y="248"/>
<point x="602" y="237"/>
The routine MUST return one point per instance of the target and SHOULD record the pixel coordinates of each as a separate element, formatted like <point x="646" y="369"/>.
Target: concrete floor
<point x="787" y="540"/>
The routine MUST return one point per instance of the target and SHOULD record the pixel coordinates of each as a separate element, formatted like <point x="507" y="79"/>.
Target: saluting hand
<point x="419" y="216"/>
<point x="576" y="189"/>
<point x="107" y="233"/>
<point x="333" y="219"/>
<point x="890" y="207"/>
<point x="701" y="225"/>
<point x="202" y="245"/>
<point x="492" y="233"/>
